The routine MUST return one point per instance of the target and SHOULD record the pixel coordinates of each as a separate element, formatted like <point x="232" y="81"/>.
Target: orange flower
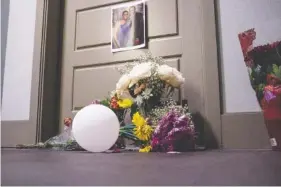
<point x="114" y="103"/>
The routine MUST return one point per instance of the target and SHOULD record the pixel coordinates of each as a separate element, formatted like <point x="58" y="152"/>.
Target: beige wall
<point x="22" y="64"/>
<point x="237" y="16"/>
<point x="242" y="120"/>
<point x="4" y="30"/>
<point x="18" y="60"/>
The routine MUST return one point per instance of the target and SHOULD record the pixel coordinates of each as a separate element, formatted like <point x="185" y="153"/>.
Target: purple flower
<point x="174" y="132"/>
<point x="154" y="142"/>
<point x="269" y="96"/>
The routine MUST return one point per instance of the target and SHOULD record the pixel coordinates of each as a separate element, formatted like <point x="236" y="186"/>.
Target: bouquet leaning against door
<point x="264" y="65"/>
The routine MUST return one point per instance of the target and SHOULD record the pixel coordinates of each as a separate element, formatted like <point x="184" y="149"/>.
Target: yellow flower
<point x="138" y="120"/>
<point x="145" y="149"/>
<point x="142" y="130"/>
<point x="125" y="103"/>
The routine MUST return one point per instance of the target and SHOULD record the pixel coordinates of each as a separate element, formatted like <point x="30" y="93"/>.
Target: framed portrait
<point x="128" y="26"/>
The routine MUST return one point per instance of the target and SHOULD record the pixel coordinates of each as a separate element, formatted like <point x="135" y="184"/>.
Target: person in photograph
<point x="122" y="31"/>
<point x="137" y="31"/>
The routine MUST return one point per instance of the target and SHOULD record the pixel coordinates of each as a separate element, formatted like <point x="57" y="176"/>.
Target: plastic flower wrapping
<point x="148" y="117"/>
<point x="264" y="66"/>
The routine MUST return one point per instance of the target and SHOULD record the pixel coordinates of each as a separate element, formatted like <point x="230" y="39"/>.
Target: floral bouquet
<point x="148" y="116"/>
<point x="146" y="81"/>
<point x="264" y="66"/>
<point x="144" y="91"/>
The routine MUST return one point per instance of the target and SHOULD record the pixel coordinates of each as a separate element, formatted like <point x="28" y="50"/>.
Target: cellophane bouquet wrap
<point x="264" y="67"/>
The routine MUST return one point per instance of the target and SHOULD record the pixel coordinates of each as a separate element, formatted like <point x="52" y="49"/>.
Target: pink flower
<point x="96" y="102"/>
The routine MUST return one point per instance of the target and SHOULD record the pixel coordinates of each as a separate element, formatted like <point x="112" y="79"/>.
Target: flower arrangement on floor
<point x="144" y="93"/>
<point x="264" y="66"/>
<point x="147" y="114"/>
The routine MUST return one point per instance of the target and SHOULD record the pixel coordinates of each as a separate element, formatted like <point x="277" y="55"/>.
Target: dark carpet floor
<point x="42" y="167"/>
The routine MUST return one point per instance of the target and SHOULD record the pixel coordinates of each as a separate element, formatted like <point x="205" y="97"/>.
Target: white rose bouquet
<point x="146" y="81"/>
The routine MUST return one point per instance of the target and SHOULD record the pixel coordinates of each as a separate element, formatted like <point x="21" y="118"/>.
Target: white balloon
<point x="96" y="128"/>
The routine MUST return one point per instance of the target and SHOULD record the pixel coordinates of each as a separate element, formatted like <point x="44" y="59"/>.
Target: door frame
<point x="42" y="122"/>
<point x="50" y="67"/>
<point x="46" y="77"/>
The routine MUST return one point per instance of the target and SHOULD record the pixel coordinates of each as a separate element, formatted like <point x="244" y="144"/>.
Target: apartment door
<point x="175" y="30"/>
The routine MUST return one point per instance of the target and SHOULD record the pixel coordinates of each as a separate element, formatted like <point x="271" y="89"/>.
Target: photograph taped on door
<point x="128" y="26"/>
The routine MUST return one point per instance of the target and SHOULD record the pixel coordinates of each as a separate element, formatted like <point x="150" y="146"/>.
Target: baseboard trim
<point x="244" y="131"/>
<point x="17" y="132"/>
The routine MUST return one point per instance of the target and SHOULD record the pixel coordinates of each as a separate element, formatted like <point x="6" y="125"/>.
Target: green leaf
<point x="105" y="102"/>
<point x="261" y="87"/>
<point x="128" y="126"/>
<point x="128" y="135"/>
<point x="276" y="70"/>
